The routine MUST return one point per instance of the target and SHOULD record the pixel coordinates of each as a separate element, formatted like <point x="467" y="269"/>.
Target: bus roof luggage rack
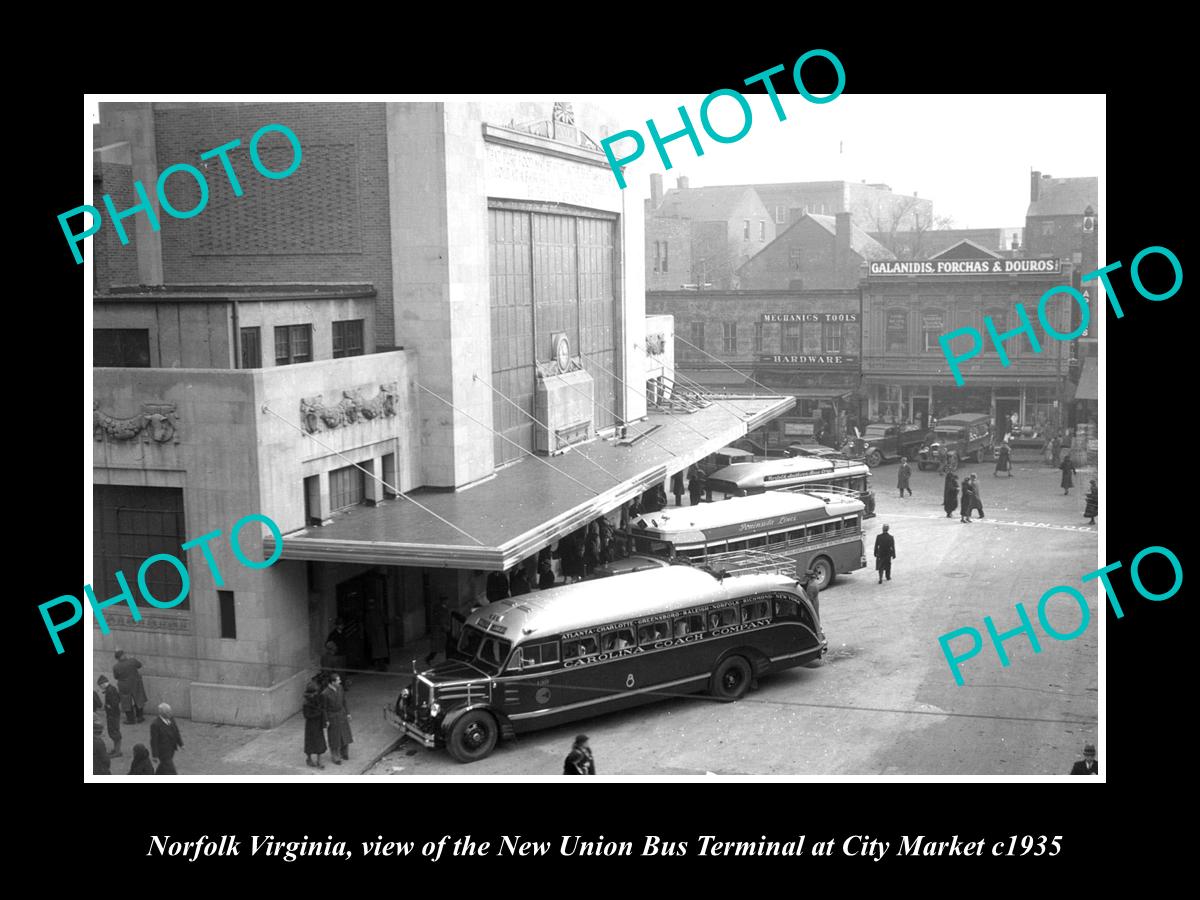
<point x="848" y="493"/>
<point x="748" y="562"/>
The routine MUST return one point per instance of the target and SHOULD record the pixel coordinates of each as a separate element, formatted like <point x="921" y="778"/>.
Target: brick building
<point x="873" y="207"/>
<point x="440" y="298"/>
<point x="815" y="252"/>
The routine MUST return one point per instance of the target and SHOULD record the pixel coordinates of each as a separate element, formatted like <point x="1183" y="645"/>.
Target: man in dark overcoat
<point x="165" y="739"/>
<point x="580" y="760"/>
<point x="338" y="718"/>
<point x="112" y="713"/>
<point x="903" y="474"/>
<point x="1087" y="765"/>
<point x="950" y="495"/>
<point x="885" y="552"/>
<point x="129" y="684"/>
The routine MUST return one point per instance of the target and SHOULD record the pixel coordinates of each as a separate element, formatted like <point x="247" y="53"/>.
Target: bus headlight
<point x="435" y="709"/>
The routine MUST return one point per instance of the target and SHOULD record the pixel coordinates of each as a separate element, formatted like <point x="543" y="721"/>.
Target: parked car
<point x="969" y="435"/>
<point x="881" y="442"/>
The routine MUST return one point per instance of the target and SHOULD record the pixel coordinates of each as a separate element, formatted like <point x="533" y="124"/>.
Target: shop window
<point x="252" y="348"/>
<point x="896" y="331"/>
<point x="346" y="488"/>
<point x="128" y="347"/>
<point x="293" y="344"/>
<point x="348" y="338"/>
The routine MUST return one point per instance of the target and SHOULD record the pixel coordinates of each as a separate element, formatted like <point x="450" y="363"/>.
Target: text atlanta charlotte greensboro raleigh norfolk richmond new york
<point x="856" y="845"/>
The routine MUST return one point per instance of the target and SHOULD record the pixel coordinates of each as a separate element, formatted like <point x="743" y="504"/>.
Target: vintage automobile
<point x="968" y="435"/>
<point x="815" y="450"/>
<point x="881" y="442"/>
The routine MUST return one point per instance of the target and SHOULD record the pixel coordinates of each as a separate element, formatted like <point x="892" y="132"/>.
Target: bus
<point x="569" y="652"/>
<point x="821" y="529"/>
<point x="799" y="472"/>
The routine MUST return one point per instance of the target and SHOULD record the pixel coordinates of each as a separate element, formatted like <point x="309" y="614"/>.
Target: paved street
<point x="884" y="701"/>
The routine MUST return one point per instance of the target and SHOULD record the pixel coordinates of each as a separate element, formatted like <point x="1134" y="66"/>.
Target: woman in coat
<point x="967" y="503"/>
<point x="334" y="703"/>
<point x="950" y="494"/>
<point x="976" y="500"/>
<point x="1092" y="503"/>
<point x="1003" y="460"/>
<point x="314" y="726"/>
<point x="1068" y="474"/>
<point x="141" y="764"/>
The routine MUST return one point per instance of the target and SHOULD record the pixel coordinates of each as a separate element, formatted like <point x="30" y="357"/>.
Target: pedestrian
<point x="546" y="575"/>
<point x="677" y="487"/>
<point x="1003" y="459"/>
<point x="497" y="586"/>
<point x="606" y="541"/>
<point x="100" y="764"/>
<point x="141" y="764"/>
<point x="695" y="485"/>
<point x="338" y="719"/>
<point x="439" y="621"/>
<point x="591" y="547"/>
<point x="580" y="760"/>
<point x="885" y="552"/>
<point x="967" y="503"/>
<point x="813" y="592"/>
<point x="1087" y="765"/>
<point x="165" y="739"/>
<point x="112" y="713"/>
<point x="1092" y="503"/>
<point x="903" y="475"/>
<point x="1068" y="474"/>
<point x="314" y="726"/>
<point x="950" y="494"/>
<point x="976" y="500"/>
<point x="129" y="684"/>
<point x="518" y="582"/>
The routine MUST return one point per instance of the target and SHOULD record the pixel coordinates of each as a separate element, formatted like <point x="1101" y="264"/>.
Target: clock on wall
<point x="562" y="352"/>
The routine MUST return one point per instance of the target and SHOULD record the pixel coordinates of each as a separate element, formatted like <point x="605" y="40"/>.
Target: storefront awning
<point x="527" y="505"/>
<point x="1089" y="381"/>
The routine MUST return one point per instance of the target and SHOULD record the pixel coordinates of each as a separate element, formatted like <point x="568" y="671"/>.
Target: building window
<point x="933" y="326"/>
<point x="999" y="319"/>
<point x="389" y="474"/>
<point x="812" y="337"/>
<point x="112" y="347"/>
<point x="762" y="231"/>
<point x="293" y="344"/>
<point x="131" y="523"/>
<point x="780" y="215"/>
<point x="746" y="229"/>
<point x="312" y="500"/>
<point x="896" y="333"/>
<point x="758" y="337"/>
<point x="228" y="615"/>
<point x="794" y="259"/>
<point x="698" y="336"/>
<point x="665" y="260"/>
<point x="789" y="337"/>
<point x="345" y="488"/>
<point x="252" y="348"/>
<point x="348" y="338"/>
<point x="729" y="337"/>
<point x="658" y="256"/>
<point x="833" y="337"/>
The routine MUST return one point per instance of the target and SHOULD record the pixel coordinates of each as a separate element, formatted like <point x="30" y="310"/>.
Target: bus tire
<point x="731" y="679"/>
<point x="473" y="736"/>
<point x="824" y="569"/>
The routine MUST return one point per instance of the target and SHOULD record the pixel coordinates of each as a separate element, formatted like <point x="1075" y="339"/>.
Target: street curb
<point x="381" y="754"/>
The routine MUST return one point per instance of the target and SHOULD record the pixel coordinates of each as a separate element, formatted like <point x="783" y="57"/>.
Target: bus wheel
<point x="824" y="572"/>
<point x="473" y="736"/>
<point x="731" y="679"/>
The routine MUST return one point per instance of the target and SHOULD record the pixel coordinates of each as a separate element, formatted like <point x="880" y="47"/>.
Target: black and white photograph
<point x="629" y="436"/>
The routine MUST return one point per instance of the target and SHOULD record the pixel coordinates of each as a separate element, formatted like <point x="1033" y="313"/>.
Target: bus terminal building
<point x="425" y="355"/>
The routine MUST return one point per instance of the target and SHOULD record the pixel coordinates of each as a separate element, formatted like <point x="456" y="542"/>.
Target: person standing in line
<point x="1003" y="459"/>
<point x="950" y="494"/>
<point x="338" y="719"/>
<point x="1068" y="474"/>
<point x="314" y="726"/>
<point x="967" y="502"/>
<point x="165" y="739"/>
<point x="141" y="764"/>
<point x="580" y="760"/>
<point x="606" y="541"/>
<point x="903" y="474"/>
<point x="129" y="683"/>
<point x="885" y="552"/>
<point x="1092" y="503"/>
<point x="695" y="485"/>
<point x="518" y="582"/>
<point x="677" y="487"/>
<point x="497" y="586"/>
<point x="976" y="500"/>
<point x="112" y="713"/>
<point x="100" y="763"/>
<point x="1087" y="765"/>
<point x="546" y="577"/>
<point x="439" y="621"/>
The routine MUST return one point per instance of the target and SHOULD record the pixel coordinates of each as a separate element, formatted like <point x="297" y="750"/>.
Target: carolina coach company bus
<point x="802" y="472"/>
<point x="550" y="657"/>
<point x="819" y="528"/>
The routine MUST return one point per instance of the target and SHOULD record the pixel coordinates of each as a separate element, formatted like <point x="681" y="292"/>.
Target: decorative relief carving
<point x="149" y="622"/>
<point x="316" y="416"/>
<point x="156" y="421"/>
<point x="655" y="344"/>
<point x="559" y="127"/>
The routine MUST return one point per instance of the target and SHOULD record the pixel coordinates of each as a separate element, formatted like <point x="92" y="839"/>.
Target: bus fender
<point x="506" y="725"/>
<point x="759" y="662"/>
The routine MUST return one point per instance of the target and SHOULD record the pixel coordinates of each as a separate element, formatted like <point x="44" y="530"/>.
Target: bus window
<point x="616" y="640"/>
<point x="469" y="643"/>
<point x="688" y="625"/>
<point x="779" y="537"/>
<point x="796" y="535"/>
<point x="755" y="610"/>
<point x="860" y="483"/>
<point x="737" y="545"/>
<point x="850" y="524"/>
<point x="785" y="606"/>
<point x="760" y="541"/>
<point x="537" y="655"/>
<point x="584" y="646"/>
<point x="651" y="632"/>
<point x="720" y="618"/>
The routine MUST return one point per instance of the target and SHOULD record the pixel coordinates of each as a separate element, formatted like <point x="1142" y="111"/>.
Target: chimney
<point x="1035" y="180"/>
<point x="656" y="190"/>
<point x="682" y="182"/>
<point x="841" y="240"/>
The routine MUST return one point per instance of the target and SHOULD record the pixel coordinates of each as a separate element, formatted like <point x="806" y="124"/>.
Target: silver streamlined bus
<point x="796" y="472"/>
<point x="819" y="529"/>
<point x="553" y="656"/>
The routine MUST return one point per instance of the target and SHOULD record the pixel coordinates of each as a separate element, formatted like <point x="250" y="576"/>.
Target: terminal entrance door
<point x="362" y="606"/>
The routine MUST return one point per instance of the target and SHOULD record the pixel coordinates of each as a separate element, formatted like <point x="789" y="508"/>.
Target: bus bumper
<point x="410" y="729"/>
